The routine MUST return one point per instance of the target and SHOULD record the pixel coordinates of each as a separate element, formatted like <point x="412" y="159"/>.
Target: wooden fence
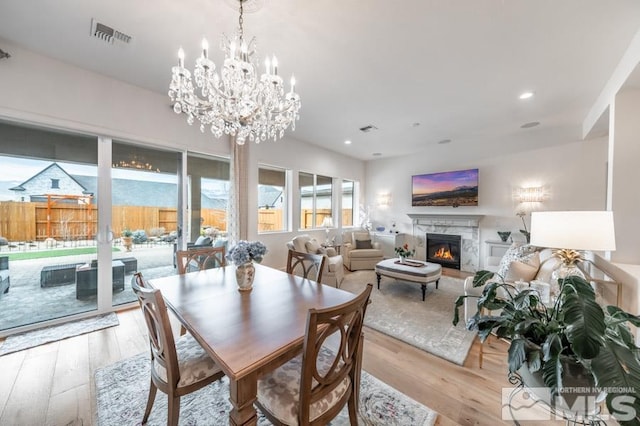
<point x="21" y="221"/>
<point x="65" y="221"/>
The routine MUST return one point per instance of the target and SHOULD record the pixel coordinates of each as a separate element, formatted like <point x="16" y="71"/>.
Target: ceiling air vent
<point x="367" y="129"/>
<point x="108" y="34"/>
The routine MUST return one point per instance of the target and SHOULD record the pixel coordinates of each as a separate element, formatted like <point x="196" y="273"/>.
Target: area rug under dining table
<point x="397" y="310"/>
<point x="122" y="390"/>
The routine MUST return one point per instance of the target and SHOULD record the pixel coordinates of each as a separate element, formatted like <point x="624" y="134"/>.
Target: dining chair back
<point x="312" y="388"/>
<point x="308" y="264"/>
<point x="199" y="259"/>
<point x="171" y="358"/>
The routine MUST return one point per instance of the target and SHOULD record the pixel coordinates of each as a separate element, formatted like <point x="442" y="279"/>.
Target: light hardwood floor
<point x="53" y="384"/>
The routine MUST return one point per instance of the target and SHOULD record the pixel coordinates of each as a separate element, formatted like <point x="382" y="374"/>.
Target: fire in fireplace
<point x="444" y="249"/>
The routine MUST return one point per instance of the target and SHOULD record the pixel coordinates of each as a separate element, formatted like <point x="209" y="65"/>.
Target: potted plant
<point x="552" y="341"/>
<point x="127" y="239"/>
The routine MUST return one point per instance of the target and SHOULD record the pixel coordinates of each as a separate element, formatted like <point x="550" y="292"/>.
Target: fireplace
<point x="444" y="249"/>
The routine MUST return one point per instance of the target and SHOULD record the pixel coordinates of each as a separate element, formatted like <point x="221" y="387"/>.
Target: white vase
<point x="402" y="259"/>
<point x="244" y="276"/>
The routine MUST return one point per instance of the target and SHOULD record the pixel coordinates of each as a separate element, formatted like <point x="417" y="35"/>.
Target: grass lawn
<point x="55" y="253"/>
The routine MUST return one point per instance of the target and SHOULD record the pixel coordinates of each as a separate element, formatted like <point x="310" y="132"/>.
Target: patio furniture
<point x="87" y="279"/>
<point x="130" y="264"/>
<point x="54" y="275"/>
<point x="4" y="275"/>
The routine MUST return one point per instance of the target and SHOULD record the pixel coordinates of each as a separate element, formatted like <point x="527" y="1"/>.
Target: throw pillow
<point x="363" y="244"/>
<point x="516" y="252"/>
<point x="524" y="269"/>
<point x="312" y="246"/>
<point x="359" y="236"/>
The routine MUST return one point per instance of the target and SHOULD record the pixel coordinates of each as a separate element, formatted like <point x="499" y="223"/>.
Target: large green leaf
<point x="621" y="315"/>
<point x="584" y="321"/>
<point x="456" y="314"/>
<point x="517" y="354"/>
<point x="481" y="278"/>
<point x="617" y="368"/>
<point x="552" y="374"/>
<point x="534" y="361"/>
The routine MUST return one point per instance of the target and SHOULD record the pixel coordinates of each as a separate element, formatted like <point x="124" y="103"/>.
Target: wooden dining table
<point x="247" y="333"/>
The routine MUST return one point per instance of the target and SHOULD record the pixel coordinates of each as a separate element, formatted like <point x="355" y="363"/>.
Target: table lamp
<point x="569" y="232"/>
<point x="327" y="223"/>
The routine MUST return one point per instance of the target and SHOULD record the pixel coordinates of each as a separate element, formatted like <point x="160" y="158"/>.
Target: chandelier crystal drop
<point x="235" y="101"/>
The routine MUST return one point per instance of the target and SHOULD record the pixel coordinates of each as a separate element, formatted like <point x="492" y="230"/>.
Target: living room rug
<point x="397" y="309"/>
<point x="30" y="339"/>
<point x="122" y="389"/>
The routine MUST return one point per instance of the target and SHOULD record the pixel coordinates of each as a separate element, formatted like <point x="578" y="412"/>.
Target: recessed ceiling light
<point x="347" y="142"/>
<point x="530" y="124"/>
<point x="416" y="124"/>
<point x="526" y="95"/>
<point x="377" y="154"/>
<point x="444" y="141"/>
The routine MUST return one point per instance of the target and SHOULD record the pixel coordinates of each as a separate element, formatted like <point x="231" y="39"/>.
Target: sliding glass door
<point x="144" y="214"/>
<point x="48" y="224"/>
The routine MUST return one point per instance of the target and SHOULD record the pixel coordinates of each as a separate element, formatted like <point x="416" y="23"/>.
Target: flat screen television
<point x="457" y="188"/>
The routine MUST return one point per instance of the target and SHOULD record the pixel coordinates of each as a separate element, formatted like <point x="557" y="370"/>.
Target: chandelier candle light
<point x="235" y="102"/>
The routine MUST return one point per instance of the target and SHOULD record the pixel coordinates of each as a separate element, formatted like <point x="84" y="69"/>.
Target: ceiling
<point x="456" y="67"/>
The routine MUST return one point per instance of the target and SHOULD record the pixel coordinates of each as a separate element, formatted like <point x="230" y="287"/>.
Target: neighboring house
<point x="53" y="180"/>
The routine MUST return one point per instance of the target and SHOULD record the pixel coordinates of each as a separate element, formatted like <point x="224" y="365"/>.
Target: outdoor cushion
<point x="203" y="241"/>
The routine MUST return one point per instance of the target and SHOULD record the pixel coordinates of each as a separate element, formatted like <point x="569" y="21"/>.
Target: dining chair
<point x="306" y="263"/>
<point x="313" y="387"/>
<point x="178" y="367"/>
<point x="198" y="259"/>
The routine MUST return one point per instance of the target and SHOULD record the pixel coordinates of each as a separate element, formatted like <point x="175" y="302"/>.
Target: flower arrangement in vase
<point x="243" y="255"/>
<point x="403" y="252"/>
<point x="247" y="251"/>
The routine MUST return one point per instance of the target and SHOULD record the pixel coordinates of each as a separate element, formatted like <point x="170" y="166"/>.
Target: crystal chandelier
<point x="235" y="101"/>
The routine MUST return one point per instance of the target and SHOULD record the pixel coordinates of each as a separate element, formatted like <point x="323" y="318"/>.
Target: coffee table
<point x="415" y="271"/>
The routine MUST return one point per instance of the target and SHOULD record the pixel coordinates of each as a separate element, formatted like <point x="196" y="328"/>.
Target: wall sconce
<point x="532" y="194"/>
<point x="384" y="200"/>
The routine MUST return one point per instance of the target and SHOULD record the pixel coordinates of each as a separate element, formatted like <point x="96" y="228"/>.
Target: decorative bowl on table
<point x="504" y="235"/>
<point x="380" y="228"/>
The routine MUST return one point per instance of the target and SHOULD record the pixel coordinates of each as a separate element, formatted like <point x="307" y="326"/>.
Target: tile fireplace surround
<point x="467" y="226"/>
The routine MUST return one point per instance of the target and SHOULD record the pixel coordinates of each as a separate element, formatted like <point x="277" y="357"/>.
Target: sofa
<point x="523" y="262"/>
<point x="359" y="251"/>
<point x="333" y="272"/>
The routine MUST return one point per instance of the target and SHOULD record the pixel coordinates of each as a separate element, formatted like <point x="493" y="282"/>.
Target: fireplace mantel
<point x="463" y="220"/>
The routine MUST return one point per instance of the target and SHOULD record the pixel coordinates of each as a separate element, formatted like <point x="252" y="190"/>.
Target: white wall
<point x="574" y="174"/>
<point x="625" y="197"/>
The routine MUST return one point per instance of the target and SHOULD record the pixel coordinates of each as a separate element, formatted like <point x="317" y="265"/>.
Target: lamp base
<point x="563" y="271"/>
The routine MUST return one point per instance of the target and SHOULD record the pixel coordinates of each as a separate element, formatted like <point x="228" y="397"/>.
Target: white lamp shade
<point x="579" y="230"/>
<point x="327" y="222"/>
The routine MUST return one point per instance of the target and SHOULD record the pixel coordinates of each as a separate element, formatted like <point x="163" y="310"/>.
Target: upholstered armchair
<point x="359" y="251"/>
<point x="333" y="271"/>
